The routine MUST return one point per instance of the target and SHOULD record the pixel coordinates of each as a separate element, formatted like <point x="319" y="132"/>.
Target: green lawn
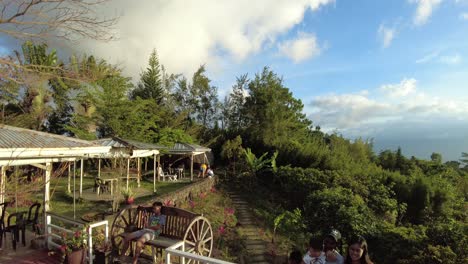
<point x="61" y="202"/>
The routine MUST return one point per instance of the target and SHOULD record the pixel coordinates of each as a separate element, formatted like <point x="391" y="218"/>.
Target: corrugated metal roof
<point x="187" y="148"/>
<point x="117" y="142"/>
<point x="15" y="137"/>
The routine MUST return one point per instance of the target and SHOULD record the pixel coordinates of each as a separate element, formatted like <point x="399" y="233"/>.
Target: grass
<point x="61" y="202"/>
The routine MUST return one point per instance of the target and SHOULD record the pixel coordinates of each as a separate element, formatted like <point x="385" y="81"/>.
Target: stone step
<point x="257" y="258"/>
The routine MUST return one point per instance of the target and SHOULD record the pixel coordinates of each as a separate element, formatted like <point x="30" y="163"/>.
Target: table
<point x="111" y="180"/>
<point x="180" y="172"/>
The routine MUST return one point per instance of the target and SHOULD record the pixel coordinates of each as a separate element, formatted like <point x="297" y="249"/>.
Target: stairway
<point x="256" y="247"/>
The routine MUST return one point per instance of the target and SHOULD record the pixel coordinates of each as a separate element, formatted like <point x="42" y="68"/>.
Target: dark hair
<point x="296" y="256"/>
<point x="157" y="204"/>
<point x="316" y="243"/>
<point x="363" y="244"/>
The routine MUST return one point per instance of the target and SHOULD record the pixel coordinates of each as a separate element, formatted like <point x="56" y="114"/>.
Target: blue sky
<point x="395" y="71"/>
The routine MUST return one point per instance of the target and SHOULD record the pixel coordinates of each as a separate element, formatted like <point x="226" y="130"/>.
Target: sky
<point x="392" y="71"/>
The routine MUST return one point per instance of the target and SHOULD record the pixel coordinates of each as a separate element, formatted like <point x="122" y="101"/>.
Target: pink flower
<point x="221" y="230"/>
<point x="213" y="190"/>
<point x="167" y="203"/>
<point x="229" y="211"/>
<point x="63" y="248"/>
<point x="192" y="204"/>
<point x="202" y="195"/>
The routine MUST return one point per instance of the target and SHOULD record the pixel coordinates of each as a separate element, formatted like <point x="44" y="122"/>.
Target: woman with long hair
<point x="357" y="251"/>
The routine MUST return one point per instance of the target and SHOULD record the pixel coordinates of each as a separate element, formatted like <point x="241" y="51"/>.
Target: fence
<point x="52" y="226"/>
<point x="175" y="251"/>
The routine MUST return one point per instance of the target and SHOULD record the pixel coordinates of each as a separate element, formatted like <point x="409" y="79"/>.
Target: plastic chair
<point x="15" y="229"/>
<point x="33" y="216"/>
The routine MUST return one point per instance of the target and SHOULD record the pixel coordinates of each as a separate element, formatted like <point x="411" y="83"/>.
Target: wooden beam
<point x="40" y="166"/>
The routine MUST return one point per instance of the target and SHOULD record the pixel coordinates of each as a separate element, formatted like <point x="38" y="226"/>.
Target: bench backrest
<point x="177" y="220"/>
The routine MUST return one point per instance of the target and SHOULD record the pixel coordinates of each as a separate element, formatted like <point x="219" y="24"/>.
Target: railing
<point x="174" y="251"/>
<point x="90" y="237"/>
<point x="50" y="234"/>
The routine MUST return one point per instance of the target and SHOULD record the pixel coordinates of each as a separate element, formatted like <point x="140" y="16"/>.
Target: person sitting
<point x="209" y="172"/>
<point x="330" y="245"/>
<point x="150" y="232"/>
<point x="357" y="251"/>
<point x="315" y="254"/>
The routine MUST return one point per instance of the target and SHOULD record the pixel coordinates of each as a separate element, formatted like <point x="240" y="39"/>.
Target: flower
<point x="99" y="241"/>
<point x="202" y="195"/>
<point x="78" y="240"/>
<point x="167" y="202"/>
<point x="221" y="230"/>
<point x="192" y="204"/>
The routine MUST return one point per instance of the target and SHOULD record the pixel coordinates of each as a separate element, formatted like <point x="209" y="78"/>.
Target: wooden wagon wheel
<point x="124" y="222"/>
<point x="198" y="237"/>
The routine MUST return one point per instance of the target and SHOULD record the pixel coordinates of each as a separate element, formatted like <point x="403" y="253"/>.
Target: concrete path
<point x="256" y="247"/>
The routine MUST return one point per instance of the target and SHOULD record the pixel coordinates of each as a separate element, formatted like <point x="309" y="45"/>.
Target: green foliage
<point x="151" y="85"/>
<point x="290" y="223"/>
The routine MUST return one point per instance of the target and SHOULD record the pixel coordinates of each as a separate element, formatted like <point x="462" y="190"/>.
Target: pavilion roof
<point x="24" y="146"/>
<point x="187" y="148"/>
<point x="124" y="146"/>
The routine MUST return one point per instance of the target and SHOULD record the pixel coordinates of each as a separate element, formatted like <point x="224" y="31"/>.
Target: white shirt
<point x="339" y="259"/>
<point x="308" y="259"/>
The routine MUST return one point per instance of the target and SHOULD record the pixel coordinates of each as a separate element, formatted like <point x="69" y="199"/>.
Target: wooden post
<point x="99" y="168"/>
<point x="2" y="184"/>
<point x="154" y="173"/>
<point x="191" y="167"/>
<point x="138" y="171"/>
<point x="81" y="177"/>
<point x="69" y="177"/>
<point x="47" y="175"/>
<point x="128" y="170"/>
<point x="74" y="188"/>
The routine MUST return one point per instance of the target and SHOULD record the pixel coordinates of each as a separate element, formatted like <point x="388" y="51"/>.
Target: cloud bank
<point x="187" y="34"/>
<point x="390" y="102"/>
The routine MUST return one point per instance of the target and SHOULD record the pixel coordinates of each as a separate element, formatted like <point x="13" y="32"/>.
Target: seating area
<point x="16" y="223"/>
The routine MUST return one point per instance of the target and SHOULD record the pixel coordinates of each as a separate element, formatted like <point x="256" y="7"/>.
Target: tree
<point x="46" y="19"/>
<point x="232" y="150"/>
<point x="436" y="158"/>
<point x="151" y="83"/>
<point x="234" y="104"/>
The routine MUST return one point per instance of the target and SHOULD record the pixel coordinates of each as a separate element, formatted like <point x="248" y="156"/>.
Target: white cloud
<point x="402" y="89"/>
<point x="386" y="35"/>
<point x="437" y="57"/>
<point x="454" y="59"/>
<point x="353" y="111"/>
<point x="464" y="16"/>
<point x="424" y="10"/>
<point x="303" y="47"/>
<point x="428" y="57"/>
<point x="187" y="34"/>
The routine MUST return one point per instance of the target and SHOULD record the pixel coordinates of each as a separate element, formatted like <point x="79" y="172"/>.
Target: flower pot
<point x="130" y="200"/>
<point x="77" y="256"/>
<point x="102" y="257"/>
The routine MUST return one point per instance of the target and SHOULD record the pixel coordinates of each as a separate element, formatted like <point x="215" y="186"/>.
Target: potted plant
<point x="75" y="246"/>
<point x="101" y="247"/>
<point x="128" y="195"/>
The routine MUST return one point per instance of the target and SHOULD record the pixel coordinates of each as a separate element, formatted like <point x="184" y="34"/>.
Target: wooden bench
<point x="192" y="229"/>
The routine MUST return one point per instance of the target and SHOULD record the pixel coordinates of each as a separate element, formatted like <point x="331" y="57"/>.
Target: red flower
<point x="221" y="230"/>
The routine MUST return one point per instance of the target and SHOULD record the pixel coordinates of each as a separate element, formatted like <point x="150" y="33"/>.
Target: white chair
<point x="172" y="177"/>
<point x="166" y="175"/>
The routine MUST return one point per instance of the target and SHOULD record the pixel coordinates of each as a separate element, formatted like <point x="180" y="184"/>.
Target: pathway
<point x="256" y="247"/>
